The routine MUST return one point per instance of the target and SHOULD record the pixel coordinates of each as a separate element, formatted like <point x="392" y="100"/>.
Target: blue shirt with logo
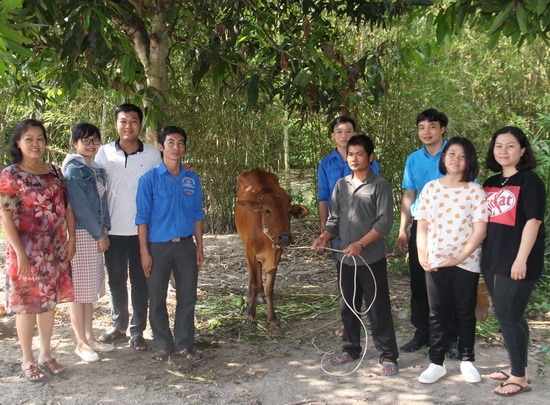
<point x="169" y="206"/>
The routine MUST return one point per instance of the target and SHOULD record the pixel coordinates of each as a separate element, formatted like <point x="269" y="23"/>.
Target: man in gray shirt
<point x="362" y="213"/>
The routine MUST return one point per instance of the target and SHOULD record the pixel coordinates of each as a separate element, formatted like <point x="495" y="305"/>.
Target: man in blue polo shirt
<point x="169" y="215"/>
<point x="421" y="167"/>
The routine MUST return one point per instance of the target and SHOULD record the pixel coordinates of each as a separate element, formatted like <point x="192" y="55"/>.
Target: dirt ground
<point x="247" y="363"/>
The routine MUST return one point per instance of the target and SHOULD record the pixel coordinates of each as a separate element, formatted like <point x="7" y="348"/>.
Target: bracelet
<point x="359" y="241"/>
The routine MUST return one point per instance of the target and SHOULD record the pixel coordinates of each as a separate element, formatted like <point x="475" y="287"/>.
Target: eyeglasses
<point x="88" y="141"/>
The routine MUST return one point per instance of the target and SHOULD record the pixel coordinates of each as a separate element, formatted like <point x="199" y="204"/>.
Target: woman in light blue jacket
<point x="86" y="184"/>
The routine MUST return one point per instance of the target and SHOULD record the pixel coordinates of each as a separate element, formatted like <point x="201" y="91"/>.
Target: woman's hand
<point x="23" y="265"/>
<point x="103" y="244"/>
<point x="519" y="270"/>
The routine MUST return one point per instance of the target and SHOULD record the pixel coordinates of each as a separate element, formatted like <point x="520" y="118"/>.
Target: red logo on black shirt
<point x="502" y="204"/>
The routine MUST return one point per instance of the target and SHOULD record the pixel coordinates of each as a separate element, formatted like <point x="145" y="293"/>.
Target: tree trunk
<point x="151" y="46"/>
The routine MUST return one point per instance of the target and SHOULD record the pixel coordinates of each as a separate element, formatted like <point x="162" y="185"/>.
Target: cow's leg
<point x="269" y="284"/>
<point x="254" y="287"/>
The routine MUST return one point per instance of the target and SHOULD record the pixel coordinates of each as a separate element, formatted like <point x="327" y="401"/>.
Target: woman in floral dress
<point x="37" y="221"/>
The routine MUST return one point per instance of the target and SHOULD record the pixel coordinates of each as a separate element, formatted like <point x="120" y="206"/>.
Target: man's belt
<point x="181" y="239"/>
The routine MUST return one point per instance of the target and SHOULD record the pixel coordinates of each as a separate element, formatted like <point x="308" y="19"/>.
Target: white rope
<point x="355" y="312"/>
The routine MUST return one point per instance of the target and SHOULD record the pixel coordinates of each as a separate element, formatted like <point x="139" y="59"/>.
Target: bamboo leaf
<point x="253" y="91"/>
<point x="12" y="35"/>
<point x="521" y="16"/>
<point x="501" y="18"/>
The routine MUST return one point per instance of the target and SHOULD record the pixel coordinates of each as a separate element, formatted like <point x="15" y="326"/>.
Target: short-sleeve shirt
<point x="169" y="206"/>
<point x="123" y="172"/>
<point x="420" y="168"/>
<point x="521" y="198"/>
<point x="451" y="214"/>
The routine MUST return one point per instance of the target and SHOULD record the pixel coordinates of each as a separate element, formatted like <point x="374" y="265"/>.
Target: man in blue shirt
<point x="421" y="167"/>
<point x="169" y="215"/>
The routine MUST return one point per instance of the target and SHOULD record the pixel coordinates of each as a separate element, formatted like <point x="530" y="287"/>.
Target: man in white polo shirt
<point x="125" y="160"/>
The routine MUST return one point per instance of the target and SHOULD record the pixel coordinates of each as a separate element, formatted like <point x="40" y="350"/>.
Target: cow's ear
<point x="298" y="211"/>
<point x="251" y="205"/>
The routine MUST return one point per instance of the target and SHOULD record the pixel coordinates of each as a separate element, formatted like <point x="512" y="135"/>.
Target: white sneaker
<point x="469" y="372"/>
<point x="88" y="356"/>
<point x="432" y="374"/>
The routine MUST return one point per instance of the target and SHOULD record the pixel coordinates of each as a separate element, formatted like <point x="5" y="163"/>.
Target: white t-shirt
<point x="450" y="214"/>
<point x="123" y="173"/>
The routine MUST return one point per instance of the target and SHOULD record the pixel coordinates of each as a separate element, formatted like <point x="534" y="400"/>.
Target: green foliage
<point x="540" y="298"/>
<point x="487" y="329"/>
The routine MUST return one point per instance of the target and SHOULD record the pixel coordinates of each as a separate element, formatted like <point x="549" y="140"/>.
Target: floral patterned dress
<point x="37" y="204"/>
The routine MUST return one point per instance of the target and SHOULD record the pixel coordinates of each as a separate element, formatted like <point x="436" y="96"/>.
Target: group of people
<point x="139" y="209"/>
<point x="453" y="228"/>
<point x="133" y="205"/>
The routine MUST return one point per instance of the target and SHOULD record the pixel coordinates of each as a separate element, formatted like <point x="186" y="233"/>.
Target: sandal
<point x="190" y="354"/>
<point x="138" y="343"/>
<point x="503" y="376"/>
<point x="32" y="373"/>
<point x="161" y="355"/>
<point x="388" y="368"/>
<point x="342" y="358"/>
<point x="111" y="335"/>
<point x="52" y="367"/>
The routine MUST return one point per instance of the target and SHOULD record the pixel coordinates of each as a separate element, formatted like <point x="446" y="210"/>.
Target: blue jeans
<point x="180" y="259"/>
<point x="510" y="298"/>
<point x="123" y="258"/>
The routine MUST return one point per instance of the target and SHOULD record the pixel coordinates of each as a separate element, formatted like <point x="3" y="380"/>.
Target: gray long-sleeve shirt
<point x="356" y="208"/>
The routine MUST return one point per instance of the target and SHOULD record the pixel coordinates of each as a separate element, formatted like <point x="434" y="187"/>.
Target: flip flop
<point x="505" y="377"/>
<point x="388" y="368"/>
<point x="521" y="390"/>
<point x="111" y="335"/>
<point x="342" y="358"/>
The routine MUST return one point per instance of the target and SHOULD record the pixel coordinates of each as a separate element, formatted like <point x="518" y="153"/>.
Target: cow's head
<point x="275" y="210"/>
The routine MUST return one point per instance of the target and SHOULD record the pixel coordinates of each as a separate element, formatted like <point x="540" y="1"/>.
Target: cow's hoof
<point x="274" y="325"/>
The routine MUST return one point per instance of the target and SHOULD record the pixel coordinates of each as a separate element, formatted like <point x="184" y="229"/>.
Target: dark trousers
<point x="510" y="299"/>
<point x="179" y="258"/>
<point x="452" y="290"/>
<point x="123" y="259"/>
<point x="362" y="284"/>
<point x="420" y="306"/>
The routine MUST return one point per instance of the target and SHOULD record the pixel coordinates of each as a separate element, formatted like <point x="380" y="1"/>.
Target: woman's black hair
<point x="471" y="169"/>
<point x="84" y="130"/>
<point x="13" y="149"/>
<point x="526" y="162"/>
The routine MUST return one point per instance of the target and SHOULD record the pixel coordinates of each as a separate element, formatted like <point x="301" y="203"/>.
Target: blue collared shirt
<point x="331" y="169"/>
<point x="420" y="168"/>
<point x="170" y="207"/>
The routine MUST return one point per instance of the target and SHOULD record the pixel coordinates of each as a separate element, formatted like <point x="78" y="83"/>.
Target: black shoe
<point x="416" y="343"/>
<point x="452" y="349"/>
